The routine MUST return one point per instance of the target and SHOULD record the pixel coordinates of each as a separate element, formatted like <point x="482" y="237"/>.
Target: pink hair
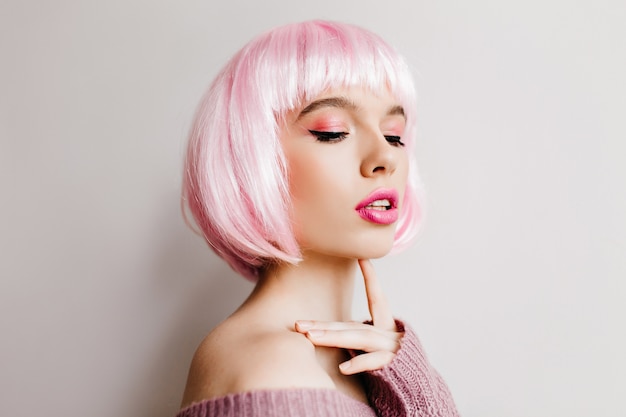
<point x="235" y="184"/>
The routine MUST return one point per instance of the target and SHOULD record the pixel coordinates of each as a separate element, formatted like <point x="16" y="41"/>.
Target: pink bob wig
<point x="235" y="182"/>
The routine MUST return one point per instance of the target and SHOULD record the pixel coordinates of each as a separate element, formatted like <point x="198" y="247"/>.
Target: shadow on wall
<point x="198" y="290"/>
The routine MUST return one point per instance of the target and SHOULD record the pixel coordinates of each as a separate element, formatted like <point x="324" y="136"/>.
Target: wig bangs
<point x="302" y="61"/>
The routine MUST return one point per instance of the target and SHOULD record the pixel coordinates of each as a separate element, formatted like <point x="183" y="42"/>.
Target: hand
<point x="379" y="341"/>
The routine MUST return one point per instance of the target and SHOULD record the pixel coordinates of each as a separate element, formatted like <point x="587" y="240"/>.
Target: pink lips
<point x="370" y="211"/>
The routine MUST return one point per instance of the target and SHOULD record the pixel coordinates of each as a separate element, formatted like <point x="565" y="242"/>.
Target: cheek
<point x="315" y="176"/>
<point x="320" y="199"/>
<point x="299" y="172"/>
<point x="404" y="168"/>
<point x="402" y="175"/>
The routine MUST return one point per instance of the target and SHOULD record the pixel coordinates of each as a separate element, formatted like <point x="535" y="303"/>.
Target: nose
<point x="379" y="157"/>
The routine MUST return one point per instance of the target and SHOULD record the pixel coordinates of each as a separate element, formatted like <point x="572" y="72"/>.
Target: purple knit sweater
<point x="408" y="386"/>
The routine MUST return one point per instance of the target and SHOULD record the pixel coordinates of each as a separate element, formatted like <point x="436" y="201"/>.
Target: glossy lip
<point x="379" y="216"/>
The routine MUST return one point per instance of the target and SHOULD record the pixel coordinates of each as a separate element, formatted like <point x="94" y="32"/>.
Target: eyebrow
<point x="396" y="111"/>
<point x="338" y="102"/>
<point x="344" y="103"/>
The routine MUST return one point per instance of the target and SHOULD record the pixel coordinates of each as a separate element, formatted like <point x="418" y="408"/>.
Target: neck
<point x="318" y="288"/>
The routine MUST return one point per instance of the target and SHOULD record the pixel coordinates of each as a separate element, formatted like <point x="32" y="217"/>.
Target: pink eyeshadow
<point x="327" y="125"/>
<point x="394" y="128"/>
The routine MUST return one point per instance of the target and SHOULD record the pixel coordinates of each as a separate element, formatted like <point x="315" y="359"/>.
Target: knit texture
<point x="281" y="403"/>
<point x="408" y="386"/>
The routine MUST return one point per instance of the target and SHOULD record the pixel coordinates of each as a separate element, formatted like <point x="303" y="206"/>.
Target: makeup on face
<point x="347" y="172"/>
<point x="327" y="123"/>
<point x="380" y="206"/>
<point x="329" y="120"/>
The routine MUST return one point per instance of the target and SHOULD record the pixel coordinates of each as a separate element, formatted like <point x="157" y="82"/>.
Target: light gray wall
<point x="516" y="286"/>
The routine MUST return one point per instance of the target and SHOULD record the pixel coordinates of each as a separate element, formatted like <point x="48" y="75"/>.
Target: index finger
<point x="376" y="300"/>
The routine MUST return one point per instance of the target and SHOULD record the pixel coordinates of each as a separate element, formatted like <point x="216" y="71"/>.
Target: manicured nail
<point x="345" y="366"/>
<point x="315" y="333"/>
<point x="304" y="325"/>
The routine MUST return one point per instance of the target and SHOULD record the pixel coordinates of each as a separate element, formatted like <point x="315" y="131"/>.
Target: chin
<point x="377" y="245"/>
<point x="372" y="249"/>
<point x="353" y="250"/>
<point x="375" y="253"/>
<point x="371" y="244"/>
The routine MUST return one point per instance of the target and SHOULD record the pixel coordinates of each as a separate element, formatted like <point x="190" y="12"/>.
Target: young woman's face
<point x="347" y="171"/>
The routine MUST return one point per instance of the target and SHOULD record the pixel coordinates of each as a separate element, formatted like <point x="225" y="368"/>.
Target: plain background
<point x="516" y="286"/>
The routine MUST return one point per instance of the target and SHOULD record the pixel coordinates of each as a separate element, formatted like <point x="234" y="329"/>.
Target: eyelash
<point x="329" y="136"/>
<point x="394" y="140"/>
<point x="339" y="136"/>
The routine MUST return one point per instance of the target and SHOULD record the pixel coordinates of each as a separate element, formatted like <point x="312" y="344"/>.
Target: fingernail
<point x="315" y="333"/>
<point x="304" y="325"/>
<point x="345" y="366"/>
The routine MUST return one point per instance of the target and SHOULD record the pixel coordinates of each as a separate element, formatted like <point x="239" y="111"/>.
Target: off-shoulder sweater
<point x="408" y="386"/>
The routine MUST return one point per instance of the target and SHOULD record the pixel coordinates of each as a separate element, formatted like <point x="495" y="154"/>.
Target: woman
<point x="300" y="169"/>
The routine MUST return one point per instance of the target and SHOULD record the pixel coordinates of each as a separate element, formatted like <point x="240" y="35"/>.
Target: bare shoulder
<point x="239" y="356"/>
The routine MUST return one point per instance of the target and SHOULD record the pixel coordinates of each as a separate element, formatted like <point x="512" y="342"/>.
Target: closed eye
<point x="329" y="136"/>
<point x="394" y="140"/>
